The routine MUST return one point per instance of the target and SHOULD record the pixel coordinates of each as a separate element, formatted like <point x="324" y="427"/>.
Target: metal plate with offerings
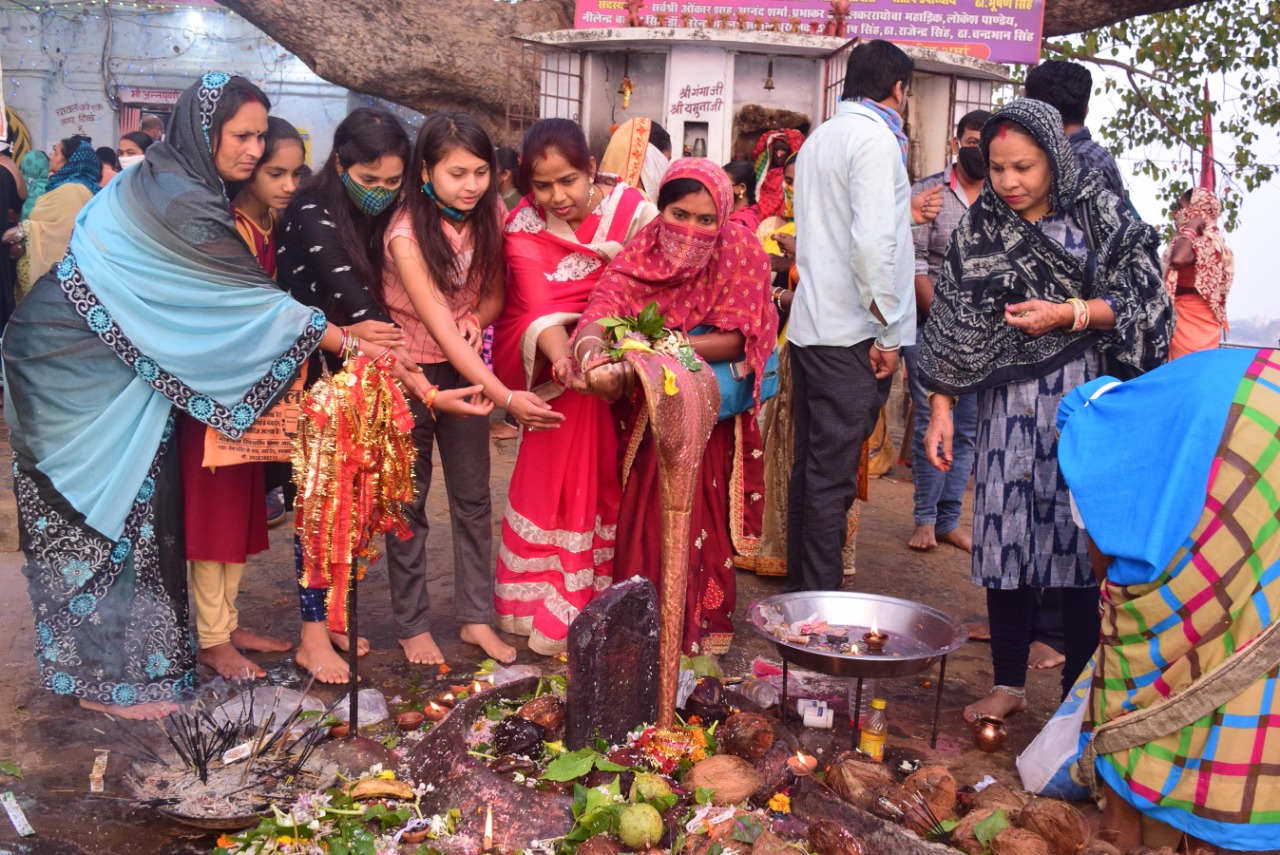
<point x="861" y="636"/>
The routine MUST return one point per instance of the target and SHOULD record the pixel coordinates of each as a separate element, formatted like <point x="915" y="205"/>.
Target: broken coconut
<point x="830" y="838"/>
<point x="748" y="735"/>
<point x="996" y="796"/>
<point x="1061" y="825"/>
<point x="938" y="788"/>
<point x="600" y="844"/>
<point x="1019" y="841"/>
<point x="858" y="782"/>
<point x="731" y="779"/>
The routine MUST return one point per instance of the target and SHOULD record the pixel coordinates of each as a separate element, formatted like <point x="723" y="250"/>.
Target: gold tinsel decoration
<point x="353" y="466"/>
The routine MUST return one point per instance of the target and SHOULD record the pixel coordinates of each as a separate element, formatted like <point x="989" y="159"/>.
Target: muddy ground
<point x="53" y="741"/>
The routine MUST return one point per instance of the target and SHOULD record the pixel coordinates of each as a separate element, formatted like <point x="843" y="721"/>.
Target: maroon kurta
<point x="224" y="511"/>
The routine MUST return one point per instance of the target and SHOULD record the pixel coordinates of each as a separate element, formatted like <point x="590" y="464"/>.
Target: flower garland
<point x="353" y="464"/>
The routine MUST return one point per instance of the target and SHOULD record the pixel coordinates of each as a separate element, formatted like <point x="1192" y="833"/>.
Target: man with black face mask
<point x="939" y="495"/>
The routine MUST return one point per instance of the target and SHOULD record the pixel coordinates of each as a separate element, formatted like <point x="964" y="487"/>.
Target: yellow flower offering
<point x="669" y="386"/>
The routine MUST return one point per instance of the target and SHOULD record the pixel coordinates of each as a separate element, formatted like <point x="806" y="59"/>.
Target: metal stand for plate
<point x="937" y="704"/>
<point x="353" y="649"/>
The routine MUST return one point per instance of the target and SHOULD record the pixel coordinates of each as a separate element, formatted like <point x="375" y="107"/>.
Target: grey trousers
<point x="836" y="400"/>
<point x="464" y="454"/>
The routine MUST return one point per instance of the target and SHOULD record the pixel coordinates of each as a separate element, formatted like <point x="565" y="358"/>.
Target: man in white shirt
<point x="855" y="304"/>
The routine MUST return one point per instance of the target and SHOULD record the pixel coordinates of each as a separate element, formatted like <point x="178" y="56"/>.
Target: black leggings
<point x="1012" y="617"/>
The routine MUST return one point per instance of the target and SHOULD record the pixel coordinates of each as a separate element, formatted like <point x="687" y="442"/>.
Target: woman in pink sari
<point x="558" y="531"/>
<point x="710" y="277"/>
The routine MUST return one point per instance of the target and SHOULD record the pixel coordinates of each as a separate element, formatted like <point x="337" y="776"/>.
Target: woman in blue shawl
<point x="157" y="305"/>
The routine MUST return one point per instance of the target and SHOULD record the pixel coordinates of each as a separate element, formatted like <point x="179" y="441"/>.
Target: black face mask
<point x="972" y="163"/>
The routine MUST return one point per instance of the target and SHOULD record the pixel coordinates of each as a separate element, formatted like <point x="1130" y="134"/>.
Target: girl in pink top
<point x="443" y="285"/>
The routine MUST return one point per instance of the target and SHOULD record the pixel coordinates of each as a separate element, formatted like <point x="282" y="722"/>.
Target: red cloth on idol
<point x="556" y="550"/>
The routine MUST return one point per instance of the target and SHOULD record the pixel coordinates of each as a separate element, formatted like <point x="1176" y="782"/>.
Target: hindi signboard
<point x="994" y="30"/>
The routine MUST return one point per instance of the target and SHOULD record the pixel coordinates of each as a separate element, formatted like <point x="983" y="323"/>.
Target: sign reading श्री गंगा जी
<point x="995" y="30"/>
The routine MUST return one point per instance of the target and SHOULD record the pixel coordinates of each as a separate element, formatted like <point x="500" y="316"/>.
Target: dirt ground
<point x="53" y="740"/>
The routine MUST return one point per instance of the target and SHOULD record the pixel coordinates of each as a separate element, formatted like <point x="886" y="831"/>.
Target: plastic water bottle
<point x="874" y="731"/>
<point x="760" y="692"/>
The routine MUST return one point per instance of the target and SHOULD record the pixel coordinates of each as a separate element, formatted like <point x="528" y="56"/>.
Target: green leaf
<point x="703" y="795"/>
<point x="662" y="804"/>
<point x="9" y="767"/>
<point x="570" y="765"/>
<point x="986" y="830"/>
<point x="604" y="764"/>
<point x="716" y="848"/>
<point x="747" y="828"/>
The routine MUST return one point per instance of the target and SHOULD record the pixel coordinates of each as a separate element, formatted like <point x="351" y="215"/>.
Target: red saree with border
<point x="558" y="531"/>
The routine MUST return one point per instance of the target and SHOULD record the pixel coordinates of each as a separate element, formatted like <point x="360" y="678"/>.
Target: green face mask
<point x="372" y="200"/>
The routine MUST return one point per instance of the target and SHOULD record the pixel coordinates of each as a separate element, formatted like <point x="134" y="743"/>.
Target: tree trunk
<point x="458" y="54"/>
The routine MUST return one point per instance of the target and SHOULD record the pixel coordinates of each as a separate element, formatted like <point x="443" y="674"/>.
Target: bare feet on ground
<point x="317" y="655"/>
<point x="1043" y="657"/>
<point x="483" y="636"/>
<point x="248" y="640"/>
<point x="922" y="539"/>
<point x="997" y="703"/>
<point x="978" y="631"/>
<point x="136" y="712"/>
<point x="503" y="430"/>
<point x="339" y="640"/>
<point x="229" y="662"/>
<point x="957" y="538"/>
<point x="421" y="649"/>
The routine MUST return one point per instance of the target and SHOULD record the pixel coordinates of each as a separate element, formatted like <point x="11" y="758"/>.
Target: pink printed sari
<point x="562" y="509"/>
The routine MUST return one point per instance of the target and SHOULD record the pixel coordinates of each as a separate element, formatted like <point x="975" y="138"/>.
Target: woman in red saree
<point x="770" y="158"/>
<point x="702" y="271"/>
<point x="558" y="531"/>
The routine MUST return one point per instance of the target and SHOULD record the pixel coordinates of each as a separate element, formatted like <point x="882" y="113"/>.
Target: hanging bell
<point x="625" y="91"/>
<point x="768" y="80"/>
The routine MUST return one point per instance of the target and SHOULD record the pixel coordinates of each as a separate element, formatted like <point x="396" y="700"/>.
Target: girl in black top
<point x="330" y="256"/>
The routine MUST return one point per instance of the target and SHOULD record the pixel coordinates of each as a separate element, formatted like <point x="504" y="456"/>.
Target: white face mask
<point x="130" y="159"/>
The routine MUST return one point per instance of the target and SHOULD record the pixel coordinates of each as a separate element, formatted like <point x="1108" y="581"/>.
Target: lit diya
<point x="802" y="764"/>
<point x="875" y="639"/>
<point x="434" y="711"/>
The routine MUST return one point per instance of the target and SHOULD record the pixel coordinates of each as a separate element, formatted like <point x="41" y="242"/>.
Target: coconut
<point x="1059" y="824"/>
<point x="730" y="778"/>
<point x="1098" y="846"/>
<point x="601" y="844"/>
<point x="830" y="838"/>
<point x="1019" y="841"/>
<point x="936" y="786"/>
<point x="748" y="735"/>
<point x="858" y="782"/>
<point x="544" y="710"/>
<point x="996" y="796"/>
<point x="962" y="836"/>
<point x="769" y="843"/>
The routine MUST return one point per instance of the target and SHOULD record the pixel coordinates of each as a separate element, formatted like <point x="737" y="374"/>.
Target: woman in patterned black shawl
<point x="1048" y="282"/>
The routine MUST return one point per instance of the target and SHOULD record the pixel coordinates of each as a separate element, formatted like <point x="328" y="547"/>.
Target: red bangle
<point x="471" y="316"/>
<point x="1189" y="234"/>
<point x="431" y="399"/>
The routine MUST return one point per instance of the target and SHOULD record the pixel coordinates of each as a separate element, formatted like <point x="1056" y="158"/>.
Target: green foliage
<point x="747" y="828"/>
<point x="595" y="811"/>
<point x="9" y="767"/>
<point x="1165" y="60"/>
<point x="986" y="830"/>
<point x="575" y="764"/>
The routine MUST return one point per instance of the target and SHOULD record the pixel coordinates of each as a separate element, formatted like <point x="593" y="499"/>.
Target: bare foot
<point x="957" y="538"/>
<point x="503" y="430"/>
<point x="422" y="650"/>
<point x="978" y="631"/>
<point x="483" y="636"/>
<point x="248" y="640"/>
<point x="317" y="654"/>
<point x="339" y="640"/>
<point x="922" y="539"/>
<point x="1043" y="657"/>
<point x="229" y="662"/>
<point x="997" y="703"/>
<point x="136" y="712"/>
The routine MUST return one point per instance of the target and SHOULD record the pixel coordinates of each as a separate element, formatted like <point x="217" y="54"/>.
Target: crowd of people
<point x="1011" y="283"/>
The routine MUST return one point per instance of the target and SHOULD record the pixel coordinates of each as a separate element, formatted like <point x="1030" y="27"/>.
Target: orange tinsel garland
<point x="353" y="465"/>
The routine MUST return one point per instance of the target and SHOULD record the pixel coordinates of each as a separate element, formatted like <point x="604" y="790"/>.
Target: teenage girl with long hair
<point x="443" y="284"/>
<point x="331" y="256"/>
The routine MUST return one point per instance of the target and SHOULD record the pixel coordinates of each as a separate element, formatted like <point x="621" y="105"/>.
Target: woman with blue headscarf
<point x="40" y="239"/>
<point x="158" y="306"/>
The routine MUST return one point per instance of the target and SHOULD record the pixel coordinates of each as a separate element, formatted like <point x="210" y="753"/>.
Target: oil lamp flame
<point x="875" y="630"/>
<point x="488" y="828"/>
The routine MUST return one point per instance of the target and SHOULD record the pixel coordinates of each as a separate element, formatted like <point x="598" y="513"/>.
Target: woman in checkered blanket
<point x="1183" y="711"/>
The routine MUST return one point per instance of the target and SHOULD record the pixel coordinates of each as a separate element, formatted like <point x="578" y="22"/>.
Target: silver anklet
<point x="1012" y="691"/>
